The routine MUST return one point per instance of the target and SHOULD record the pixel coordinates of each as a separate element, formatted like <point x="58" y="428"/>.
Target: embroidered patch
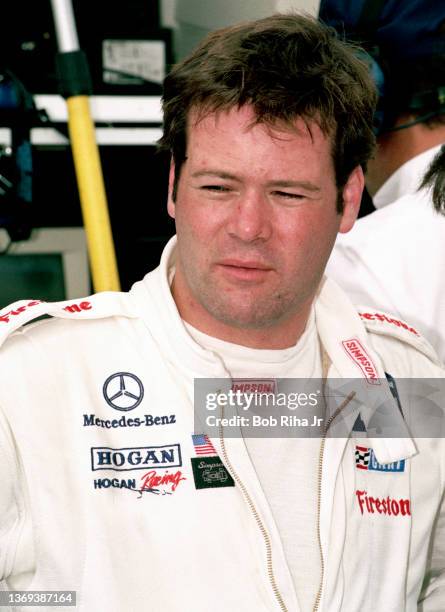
<point x="139" y="458"/>
<point x="254" y="385"/>
<point x="164" y="483"/>
<point x="366" y="460"/>
<point x="377" y="316"/>
<point x="145" y="420"/>
<point x="358" y="354"/>
<point x="123" y="391"/>
<point x="210" y="472"/>
<point x="203" y="445"/>
<point x="382" y="505"/>
<point x="157" y="483"/>
<point x="5" y="315"/>
<point x="362" y="457"/>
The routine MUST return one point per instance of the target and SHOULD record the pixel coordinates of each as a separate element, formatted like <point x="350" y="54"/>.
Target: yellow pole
<point x="92" y="195"/>
<point x="75" y="86"/>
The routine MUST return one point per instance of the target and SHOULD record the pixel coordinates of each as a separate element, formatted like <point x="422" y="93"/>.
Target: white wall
<point x="168" y="8"/>
<point x="193" y="19"/>
<point x="310" y="6"/>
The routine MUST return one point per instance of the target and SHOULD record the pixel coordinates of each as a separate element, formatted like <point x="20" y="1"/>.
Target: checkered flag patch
<point x="362" y="455"/>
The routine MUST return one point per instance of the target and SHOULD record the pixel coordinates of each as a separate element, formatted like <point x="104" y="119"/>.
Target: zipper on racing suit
<point x="319" y="482"/>
<point x="259" y="522"/>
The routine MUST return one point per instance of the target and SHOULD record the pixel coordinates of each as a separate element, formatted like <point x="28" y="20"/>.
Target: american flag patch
<point x="203" y="445"/>
<point x="362" y="456"/>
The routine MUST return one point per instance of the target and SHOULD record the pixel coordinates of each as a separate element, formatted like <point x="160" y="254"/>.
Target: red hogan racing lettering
<point x="5" y="317"/>
<point x="377" y="316"/>
<point x="78" y="307"/>
<point x="379" y="505"/>
<point x="358" y="354"/>
<point x="151" y="480"/>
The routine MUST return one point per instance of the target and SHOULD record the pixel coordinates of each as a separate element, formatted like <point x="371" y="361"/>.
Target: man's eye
<point x="216" y="188"/>
<point x="290" y="196"/>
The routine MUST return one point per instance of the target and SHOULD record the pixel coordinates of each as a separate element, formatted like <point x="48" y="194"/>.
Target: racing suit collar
<point x="346" y="342"/>
<point x="152" y="296"/>
<point x="336" y="320"/>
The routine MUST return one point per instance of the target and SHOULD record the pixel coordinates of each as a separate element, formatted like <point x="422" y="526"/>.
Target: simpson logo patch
<point x="141" y="458"/>
<point x="210" y="472"/>
<point x="254" y="385"/>
<point x="358" y="354"/>
<point x="208" y="469"/>
<point x="365" y="460"/>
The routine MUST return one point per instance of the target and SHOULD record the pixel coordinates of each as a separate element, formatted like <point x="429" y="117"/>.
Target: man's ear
<point x="171" y="181"/>
<point x="352" y="195"/>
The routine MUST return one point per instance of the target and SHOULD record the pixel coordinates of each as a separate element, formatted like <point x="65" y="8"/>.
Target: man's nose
<point x="250" y="218"/>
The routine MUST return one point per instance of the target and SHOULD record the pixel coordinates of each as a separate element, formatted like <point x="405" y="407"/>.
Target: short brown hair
<point x="285" y="66"/>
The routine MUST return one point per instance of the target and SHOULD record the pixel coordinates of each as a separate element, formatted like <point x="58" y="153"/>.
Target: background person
<point x="394" y="260"/>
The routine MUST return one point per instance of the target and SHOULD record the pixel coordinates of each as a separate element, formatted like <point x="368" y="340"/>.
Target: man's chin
<point x="246" y="318"/>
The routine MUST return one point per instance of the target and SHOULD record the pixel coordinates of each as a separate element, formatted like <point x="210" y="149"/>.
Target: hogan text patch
<point x="139" y="458"/>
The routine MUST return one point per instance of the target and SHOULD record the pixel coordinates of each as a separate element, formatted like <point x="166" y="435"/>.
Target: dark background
<point x="135" y="176"/>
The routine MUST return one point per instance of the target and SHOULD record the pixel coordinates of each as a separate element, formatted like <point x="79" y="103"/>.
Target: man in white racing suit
<point x="395" y="257"/>
<point x="119" y="484"/>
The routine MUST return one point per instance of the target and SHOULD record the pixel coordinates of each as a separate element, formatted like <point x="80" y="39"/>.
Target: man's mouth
<point x="244" y="270"/>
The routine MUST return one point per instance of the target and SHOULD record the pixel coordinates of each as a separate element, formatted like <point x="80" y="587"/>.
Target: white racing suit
<point x="394" y="258"/>
<point x="101" y="488"/>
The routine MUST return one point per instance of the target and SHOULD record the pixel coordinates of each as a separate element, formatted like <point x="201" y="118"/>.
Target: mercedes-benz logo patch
<point x="123" y="391"/>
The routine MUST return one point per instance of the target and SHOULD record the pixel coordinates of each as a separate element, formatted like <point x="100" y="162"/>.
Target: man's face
<point x="256" y="221"/>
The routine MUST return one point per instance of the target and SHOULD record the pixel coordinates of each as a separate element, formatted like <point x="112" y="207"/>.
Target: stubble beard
<point x="243" y="308"/>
